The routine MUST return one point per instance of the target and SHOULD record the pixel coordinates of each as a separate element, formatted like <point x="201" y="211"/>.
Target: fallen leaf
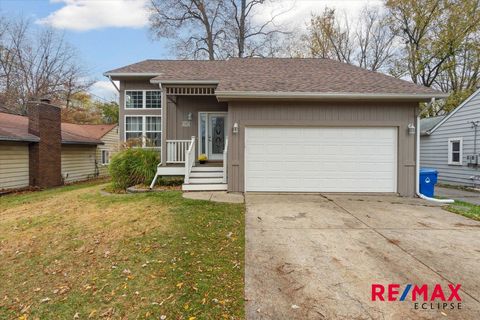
<point x="294" y="306"/>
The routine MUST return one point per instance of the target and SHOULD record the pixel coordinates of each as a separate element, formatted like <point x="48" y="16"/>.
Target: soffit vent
<point x="190" y="91"/>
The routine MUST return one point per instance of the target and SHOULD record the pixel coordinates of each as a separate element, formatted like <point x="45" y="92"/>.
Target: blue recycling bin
<point x="428" y="179"/>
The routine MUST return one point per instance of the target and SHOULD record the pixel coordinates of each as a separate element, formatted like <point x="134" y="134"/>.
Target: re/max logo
<point x="424" y="292"/>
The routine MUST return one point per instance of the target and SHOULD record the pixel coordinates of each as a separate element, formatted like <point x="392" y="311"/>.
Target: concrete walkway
<point x="460" y="195"/>
<point x="317" y="256"/>
<point x="215" y="196"/>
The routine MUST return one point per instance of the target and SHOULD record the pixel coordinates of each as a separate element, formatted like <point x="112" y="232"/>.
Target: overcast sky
<point x="113" y="33"/>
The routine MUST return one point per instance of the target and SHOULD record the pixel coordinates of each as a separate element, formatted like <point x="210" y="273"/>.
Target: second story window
<point x="153" y="99"/>
<point x="143" y="99"/>
<point x="133" y="99"/>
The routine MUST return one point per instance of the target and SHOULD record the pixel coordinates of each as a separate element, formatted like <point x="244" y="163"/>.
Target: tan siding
<point x="177" y="113"/>
<point x="111" y="143"/>
<point x="14" y="165"/>
<point x="323" y="114"/>
<point x="78" y="163"/>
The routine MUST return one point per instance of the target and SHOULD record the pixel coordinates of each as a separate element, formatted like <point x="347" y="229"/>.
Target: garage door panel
<point x="321" y="159"/>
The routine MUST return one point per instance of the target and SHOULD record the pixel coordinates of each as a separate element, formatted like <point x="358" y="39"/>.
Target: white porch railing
<point x="177" y="150"/>
<point x="189" y="159"/>
<point x="225" y="154"/>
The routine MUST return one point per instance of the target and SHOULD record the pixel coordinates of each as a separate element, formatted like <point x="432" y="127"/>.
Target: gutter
<point x="19" y="139"/>
<point x="417" y="167"/>
<point x="130" y="74"/>
<point x="228" y="95"/>
<point x="192" y="82"/>
<point x="113" y="83"/>
<point x="83" y="142"/>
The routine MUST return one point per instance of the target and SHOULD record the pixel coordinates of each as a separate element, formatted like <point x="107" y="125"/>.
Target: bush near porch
<point x="133" y="166"/>
<point x="74" y="253"/>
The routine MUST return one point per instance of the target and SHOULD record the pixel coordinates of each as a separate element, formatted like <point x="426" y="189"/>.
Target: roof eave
<point x="15" y="139"/>
<point x="91" y="143"/>
<point x="131" y="74"/>
<point x="191" y="82"/>
<point x="263" y="95"/>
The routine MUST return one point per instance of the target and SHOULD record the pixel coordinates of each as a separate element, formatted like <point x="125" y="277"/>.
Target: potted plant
<point x="202" y="158"/>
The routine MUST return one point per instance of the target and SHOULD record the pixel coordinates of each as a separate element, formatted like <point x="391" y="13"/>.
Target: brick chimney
<point x="44" y="121"/>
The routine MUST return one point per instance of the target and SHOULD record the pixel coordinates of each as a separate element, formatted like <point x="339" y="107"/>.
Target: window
<point x="153" y="99"/>
<point x="153" y="131"/>
<point x="105" y="157"/>
<point x="133" y="99"/>
<point x="455" y="151"/>
<point x="143" y="99"/>
<point x="147" y="129"/>
<point x="133" y="127"/>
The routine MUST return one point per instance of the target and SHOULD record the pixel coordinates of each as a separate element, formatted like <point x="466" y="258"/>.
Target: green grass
<point x="72" y="250"/>
<point x="468" y="210"/>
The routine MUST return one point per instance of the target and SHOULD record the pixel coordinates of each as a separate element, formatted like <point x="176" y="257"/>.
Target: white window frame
<point x="105" y="161"/>
<point x="144" y="129"/>
<point x="125" y="131"/>
<point x="450" y="151"/>
<point x="144" y="100"/>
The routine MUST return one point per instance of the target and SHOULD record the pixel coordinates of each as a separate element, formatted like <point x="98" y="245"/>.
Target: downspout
<point x="417" y="167"/>
<point x="113" y="83"/>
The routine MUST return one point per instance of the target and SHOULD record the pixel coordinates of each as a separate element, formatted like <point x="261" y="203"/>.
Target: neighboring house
<point x="450" y="143"/>
<point x="274" y="125"/>
<point x="39" y="150"/>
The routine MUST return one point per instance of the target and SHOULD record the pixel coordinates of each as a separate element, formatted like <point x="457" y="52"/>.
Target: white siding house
<point x="451" y="144"/>
<point x="14" y="159"/>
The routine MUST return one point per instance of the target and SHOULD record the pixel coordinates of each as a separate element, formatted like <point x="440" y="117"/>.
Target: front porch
<point x="181" y="160"/>
<point x="194" y="123"/>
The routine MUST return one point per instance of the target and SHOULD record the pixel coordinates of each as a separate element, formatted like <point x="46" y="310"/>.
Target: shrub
<point x="133" y="166"/>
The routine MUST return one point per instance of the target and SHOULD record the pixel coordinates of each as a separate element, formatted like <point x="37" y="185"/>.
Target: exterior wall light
<point x="189" y="116"/>
<point x="235" y="127"/>
<point x="411" y="129"/>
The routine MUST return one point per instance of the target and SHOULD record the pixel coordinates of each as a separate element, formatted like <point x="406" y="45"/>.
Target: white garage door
<point x="327" y="159"/>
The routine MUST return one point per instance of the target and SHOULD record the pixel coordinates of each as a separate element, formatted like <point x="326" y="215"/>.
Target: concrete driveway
<point x="316" y="256"/>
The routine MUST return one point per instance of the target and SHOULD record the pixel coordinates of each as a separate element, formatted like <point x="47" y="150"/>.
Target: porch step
<point x="205" y="187"/>
<point x="206" y="174"/>
<point x="205" y="180"/>
<point x="207" y="169"/>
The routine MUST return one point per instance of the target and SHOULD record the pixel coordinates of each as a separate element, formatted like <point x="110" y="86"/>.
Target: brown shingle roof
<point x="15" y="128"/>
<point x="276" y="75"/>
<point x="85" y="133"/>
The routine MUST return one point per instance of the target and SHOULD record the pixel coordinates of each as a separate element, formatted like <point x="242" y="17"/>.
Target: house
<point x="39" y="150"/>
<point x="450" y="143"/>
<point x="274" y="125"/>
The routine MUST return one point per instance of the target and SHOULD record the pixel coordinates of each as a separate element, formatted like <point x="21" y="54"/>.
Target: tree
<point x="434" y="33"/>
<point x="249" y="38"/>
<point x="36" y="64"/>
<point x="213" y="29"/>
<point x="370" y="46"/>
<point x="109" y="110"/>
<point x="195" y="23"/>
<point x="84" y="110"/>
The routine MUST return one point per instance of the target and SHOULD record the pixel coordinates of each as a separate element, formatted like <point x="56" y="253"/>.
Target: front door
<point x="212" y="134"/>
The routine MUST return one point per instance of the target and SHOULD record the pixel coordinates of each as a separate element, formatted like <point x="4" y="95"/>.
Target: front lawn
<point x="468" y="210"/>
<point x="74" y="253"/>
